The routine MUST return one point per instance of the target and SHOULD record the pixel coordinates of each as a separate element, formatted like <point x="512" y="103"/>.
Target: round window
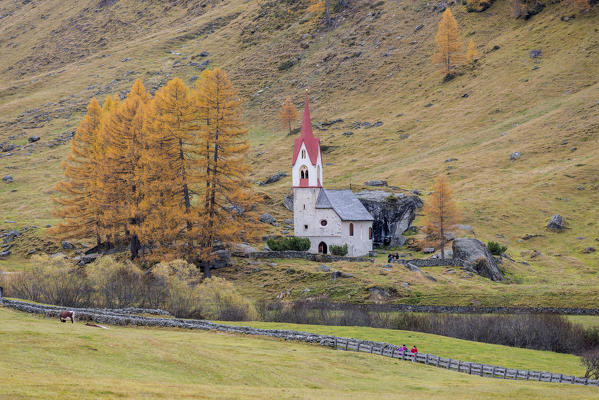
<point x="323" y="222"/>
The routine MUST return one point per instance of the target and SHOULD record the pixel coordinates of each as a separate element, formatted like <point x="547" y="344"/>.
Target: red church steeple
<point x="307" y="137"/>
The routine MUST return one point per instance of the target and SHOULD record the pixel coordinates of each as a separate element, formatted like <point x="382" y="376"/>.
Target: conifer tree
<point x="441" y="211"/>
<point x="471" y="53"/>
<point x="448" y="44"/>
<point x="171" y="172"/>
<point x="226" y="210"/>
<point x="76" y="203"/>
<point x="288" y="114"/>
<point x="124" y="136"/>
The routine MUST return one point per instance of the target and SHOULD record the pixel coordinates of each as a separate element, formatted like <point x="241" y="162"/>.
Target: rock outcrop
<point x="393" y="214"/>
<point x="474" y="256"/>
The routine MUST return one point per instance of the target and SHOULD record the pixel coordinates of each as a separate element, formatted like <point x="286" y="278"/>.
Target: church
<point x="327" y="217"/>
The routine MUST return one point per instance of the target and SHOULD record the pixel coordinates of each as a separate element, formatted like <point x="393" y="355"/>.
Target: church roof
<point x="307" y="137"/>
<point x="345" y="203"/>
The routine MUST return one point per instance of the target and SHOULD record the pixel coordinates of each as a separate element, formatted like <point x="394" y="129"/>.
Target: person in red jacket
<point x="414" y="350"/>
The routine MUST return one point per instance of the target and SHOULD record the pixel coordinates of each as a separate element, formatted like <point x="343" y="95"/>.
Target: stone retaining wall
<point x="300" y="254"/>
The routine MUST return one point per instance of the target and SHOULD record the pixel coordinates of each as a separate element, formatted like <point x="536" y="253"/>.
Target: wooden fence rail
<point x="492" y="371"/>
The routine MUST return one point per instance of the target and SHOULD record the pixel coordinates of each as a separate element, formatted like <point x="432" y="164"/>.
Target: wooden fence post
<point x="482" y="369"/>
<point x="358" y="347"/>
<point x="449" y="363"/>
<point x="437" y="362"/>
<point x="504" y="372"/>
<point x="493" y="371"/>
<point x="346" y="345"/>
<point x="527" y="374"/>
<point x="335" y="343"/>
<point x="470" y="368"/>
<point x="426" y="359"/>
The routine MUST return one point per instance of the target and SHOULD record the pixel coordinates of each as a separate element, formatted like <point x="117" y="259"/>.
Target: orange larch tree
<point x="471" y="53"/>
<point x="124" y="136"/>
<point x="448" y="44"/>
<point x="171" y="174"/>
<point x="288" y="114"/>
<point x="441" y="211"/>
<point x="226" y="209"/>
<point x="76" y="203"/>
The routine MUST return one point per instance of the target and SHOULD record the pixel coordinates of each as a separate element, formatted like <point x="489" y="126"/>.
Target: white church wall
<point x="314" y="171"/>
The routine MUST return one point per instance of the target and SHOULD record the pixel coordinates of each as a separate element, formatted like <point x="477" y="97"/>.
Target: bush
<point x="218" y="300"/>
<point x="52" y="281"/>
<point x="338" y="250"/>
<point x="478" y="5"/>
<point x="172" y="286"/>
<point x="496" y="248"/>
<point x="289" y="243"/>
<point x="590" y="361"/>
<point x="534" y="331"/>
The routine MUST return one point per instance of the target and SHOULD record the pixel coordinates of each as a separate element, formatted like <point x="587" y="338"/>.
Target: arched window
<point x="303" y="153"/>
<point x="303" y="172"/>
<point x="351" y="229"/>
<point x="370" y="232"/>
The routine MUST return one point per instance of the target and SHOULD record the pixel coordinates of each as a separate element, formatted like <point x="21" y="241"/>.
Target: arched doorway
<point x="322" y="248"/>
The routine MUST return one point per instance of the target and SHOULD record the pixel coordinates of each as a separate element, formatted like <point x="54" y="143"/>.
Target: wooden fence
<point x="491" y="371"/>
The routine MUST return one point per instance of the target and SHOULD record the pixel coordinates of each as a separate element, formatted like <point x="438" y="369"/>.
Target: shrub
<point x="50" y="280"/>
<point x="289" y="243"/>
<point x="496" y="248"/>
<point x="172" y="286"/>
<point x="590" y="361"/>
<point x="218" y="300"/>
<point x="338" y="250"/>
<point x="478" y="5"/>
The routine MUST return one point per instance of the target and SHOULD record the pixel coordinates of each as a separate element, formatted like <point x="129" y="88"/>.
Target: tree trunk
<point x="135" y="246"/>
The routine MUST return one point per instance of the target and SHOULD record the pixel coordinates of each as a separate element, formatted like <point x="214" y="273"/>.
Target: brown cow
<point x="64" y="315"/>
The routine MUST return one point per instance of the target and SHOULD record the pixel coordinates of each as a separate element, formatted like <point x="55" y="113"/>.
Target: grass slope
<point x="372" y="65"/>
<point x="42" y="358"/>
<point x="458" y="349"/>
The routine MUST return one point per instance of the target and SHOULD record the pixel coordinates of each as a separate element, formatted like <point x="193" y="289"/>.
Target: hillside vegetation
<point x="372" y="64"/>
<point x="42" y="358"/>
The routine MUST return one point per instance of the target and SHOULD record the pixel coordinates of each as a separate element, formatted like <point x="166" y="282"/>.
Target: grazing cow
<point x="64" y="315"/>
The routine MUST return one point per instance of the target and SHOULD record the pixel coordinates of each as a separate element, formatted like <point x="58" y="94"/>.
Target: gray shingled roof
<point x="345" y="203"/>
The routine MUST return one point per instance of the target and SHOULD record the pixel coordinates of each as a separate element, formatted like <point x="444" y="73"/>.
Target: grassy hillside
<point x="372" y="65"/>
<point x="42" y="358"/>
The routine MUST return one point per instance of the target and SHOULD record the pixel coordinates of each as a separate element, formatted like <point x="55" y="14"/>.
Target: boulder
<point x="273" y="178"/>
<point x="325" y="268"/>
<point x="393" y="214"/>
<point x="7" y="179"/>
<point x="244" y="248"/>
<point x="33" y="139"/>
<point x="11" y="235"/>
<point x="288" y="200"/>
<point x="515" y="155"/>
<point x="428" y="250"/>
<point x="66" y="245"/>
<point x="338" y="274"/>
<point x="474" y="255"/>
<point x="267" y="219"/>
<point x="5" y="253"/>
<point x="413" y="268"/>
<point x="376" y="182"/>
<point x="589" y="250"/>
<point x="8" y="147"/>
<point x="88" y="258"/>
<point x="556" y="223"/>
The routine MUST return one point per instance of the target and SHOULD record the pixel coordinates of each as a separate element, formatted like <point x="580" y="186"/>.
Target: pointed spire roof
<point x="307" y="137"/>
